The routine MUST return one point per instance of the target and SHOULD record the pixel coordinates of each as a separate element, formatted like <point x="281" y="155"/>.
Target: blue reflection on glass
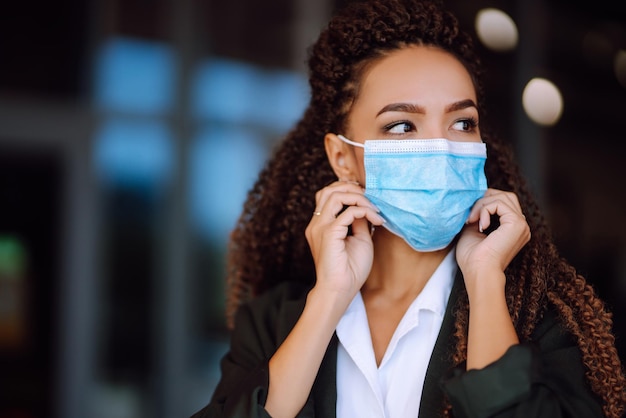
<point x="244" y="108"/>
<point x="235" y="92"/>
<point x="223" y="162"/>
<point x="134" y="75"/>
<point x="134" y="154"/>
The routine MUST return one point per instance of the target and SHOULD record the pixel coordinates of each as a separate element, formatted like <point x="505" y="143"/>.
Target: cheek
<point x="361" y="173"/>
<point x="357" y="167"/>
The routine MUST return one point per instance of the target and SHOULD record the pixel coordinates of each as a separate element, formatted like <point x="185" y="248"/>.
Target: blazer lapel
<point x="325" y="387"/>
<point x="324" y="391"/>
<point x="432" y="402"/>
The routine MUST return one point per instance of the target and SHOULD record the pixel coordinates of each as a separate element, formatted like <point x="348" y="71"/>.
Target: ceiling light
<point x="542" y="102"/>
<point x="496" y="30"/>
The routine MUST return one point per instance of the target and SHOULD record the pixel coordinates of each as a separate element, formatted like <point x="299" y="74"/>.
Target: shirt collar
<point x="435" y="295"/>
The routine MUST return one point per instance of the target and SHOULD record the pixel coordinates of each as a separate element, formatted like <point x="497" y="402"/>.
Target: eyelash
<point x="473" y="124"/>
<point x="392" y="125"/>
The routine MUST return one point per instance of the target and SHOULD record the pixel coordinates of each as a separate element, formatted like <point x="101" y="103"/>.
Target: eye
<point x="465" y="125"/>
<point x="399" y="127"/>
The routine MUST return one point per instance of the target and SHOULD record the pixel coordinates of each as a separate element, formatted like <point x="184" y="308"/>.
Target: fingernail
<point x="480" y="228"/>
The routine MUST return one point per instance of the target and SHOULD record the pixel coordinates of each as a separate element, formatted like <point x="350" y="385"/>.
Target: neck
<point x="398" y="270"/>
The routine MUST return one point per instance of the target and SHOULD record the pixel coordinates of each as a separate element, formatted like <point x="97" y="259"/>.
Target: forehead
<point x="416" y="74"/>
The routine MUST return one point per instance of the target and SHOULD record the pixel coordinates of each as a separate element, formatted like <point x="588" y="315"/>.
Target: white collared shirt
<point x="394" y="389"/>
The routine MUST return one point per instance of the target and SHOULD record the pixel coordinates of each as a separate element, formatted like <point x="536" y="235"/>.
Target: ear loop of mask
<point x="357" y="144"/>
<point x="347" y="141"/>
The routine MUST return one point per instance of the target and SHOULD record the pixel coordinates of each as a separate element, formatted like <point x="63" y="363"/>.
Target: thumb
<point x="361" y="229"/>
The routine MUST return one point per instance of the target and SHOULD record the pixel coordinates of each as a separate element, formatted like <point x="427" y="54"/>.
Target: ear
<point x="342" y="158"/>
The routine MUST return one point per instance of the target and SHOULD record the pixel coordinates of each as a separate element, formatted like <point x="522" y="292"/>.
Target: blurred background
<point x="131" y="130"/>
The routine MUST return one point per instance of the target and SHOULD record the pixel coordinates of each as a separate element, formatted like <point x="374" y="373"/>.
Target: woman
<point x="374" y="273"/>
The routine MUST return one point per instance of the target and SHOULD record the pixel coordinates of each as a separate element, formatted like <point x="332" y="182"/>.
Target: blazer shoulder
<point x="277" y="309"/>
<point x="272" y="300"/>
<point x="551" y="332"/>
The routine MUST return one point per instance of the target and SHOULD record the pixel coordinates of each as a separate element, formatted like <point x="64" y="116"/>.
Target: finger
<point x="354" y="213"/>
<point x="323" y="195"/>
<point x="500" y="207"/>
<point x="337" y="201"/>
<point x="510" y="197"/>
<point x="474" y="214"/>
<point x="493" y="195"/>
<point x="343" y="186"/>
<point x="361" y="229"/>
<point x="485" y="216"/>
<point x="482" y="211"/>
<point x="512" y="200"/>
<point x="492" y="192"/>
<point x="338" y="227"/>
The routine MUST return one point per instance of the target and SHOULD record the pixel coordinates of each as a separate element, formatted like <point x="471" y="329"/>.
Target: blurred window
<point x="236" y="114"/>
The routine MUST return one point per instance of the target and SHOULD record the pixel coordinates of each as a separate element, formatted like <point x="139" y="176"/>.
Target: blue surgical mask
<point x="424" y="188"/>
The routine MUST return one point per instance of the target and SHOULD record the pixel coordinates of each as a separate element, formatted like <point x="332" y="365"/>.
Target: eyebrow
<point x="413" y="108"/>
<point x="463" y="104"/>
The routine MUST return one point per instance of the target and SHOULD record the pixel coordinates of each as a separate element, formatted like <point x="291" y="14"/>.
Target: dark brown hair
<point x="268" y="244"/>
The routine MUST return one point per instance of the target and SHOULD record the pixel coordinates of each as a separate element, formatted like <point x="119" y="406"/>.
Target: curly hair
<point x="268" y="245"/>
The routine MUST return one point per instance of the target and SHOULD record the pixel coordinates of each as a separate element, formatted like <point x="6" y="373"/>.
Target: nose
<point x="432" y="129"/>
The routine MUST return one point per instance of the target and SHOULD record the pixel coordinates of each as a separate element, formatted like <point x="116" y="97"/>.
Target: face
<point x="416" y="92"/>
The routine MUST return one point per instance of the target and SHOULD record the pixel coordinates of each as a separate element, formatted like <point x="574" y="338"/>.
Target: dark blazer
<point x="542" y="378"/>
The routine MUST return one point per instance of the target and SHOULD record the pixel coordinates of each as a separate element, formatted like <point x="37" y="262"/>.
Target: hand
<point x="342" y="261"/>
<point x="342" y="264"/>
<point x="480" y="255"/>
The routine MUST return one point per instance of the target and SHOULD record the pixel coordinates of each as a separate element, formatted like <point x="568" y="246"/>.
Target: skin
<point x="437" y="100"/>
